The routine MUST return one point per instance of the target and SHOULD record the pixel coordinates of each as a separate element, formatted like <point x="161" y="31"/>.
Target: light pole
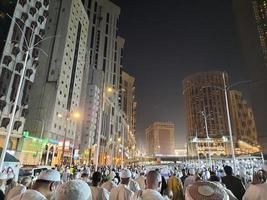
<point x="207" y="134"/>
<point x="67" y="116"/>
<point x="30" y="45"/>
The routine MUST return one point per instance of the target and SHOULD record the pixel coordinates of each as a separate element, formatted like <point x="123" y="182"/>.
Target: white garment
<point x="256" y="192"/>
<point x="141" y="181"/>
<point x="134" y="186"/>
<point x="109" y="185"/>
<point x="122" y="192"/>
<point x="99" y="193"/>
<point x="148" y="194"/>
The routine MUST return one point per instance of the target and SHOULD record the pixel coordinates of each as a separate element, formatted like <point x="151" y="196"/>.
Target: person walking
<point x="233" y="183"/>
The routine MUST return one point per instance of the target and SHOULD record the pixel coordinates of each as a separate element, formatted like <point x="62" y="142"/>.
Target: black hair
<point x="228" y="170"/>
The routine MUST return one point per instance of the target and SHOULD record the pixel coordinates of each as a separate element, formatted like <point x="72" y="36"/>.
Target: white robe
<point x="99" y="193"/>
<point x="256" y="192"/>
<point x="109" y="185"/>
<point x="148" y="194"/>
<point x="122" y="192"/>
<point x="134" y="186"/>
<point x="141" y="181"/>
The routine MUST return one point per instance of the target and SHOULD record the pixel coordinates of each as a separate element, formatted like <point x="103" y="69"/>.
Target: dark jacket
<point x="235" y="185"/>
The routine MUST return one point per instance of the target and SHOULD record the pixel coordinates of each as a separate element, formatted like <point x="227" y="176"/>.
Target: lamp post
<point x="67" y="116"/>
<point x="207" y="134"/>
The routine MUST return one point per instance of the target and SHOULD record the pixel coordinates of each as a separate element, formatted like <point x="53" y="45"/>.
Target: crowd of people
<point x="135" y="183"/>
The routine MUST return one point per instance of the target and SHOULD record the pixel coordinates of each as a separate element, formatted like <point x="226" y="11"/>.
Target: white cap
<point x="76" y="189"/>
<point x="126" y="173"/>
<point x="30" y="195"/>
<point x="112" y="174"/>
<point x="107" y="172"/>
<point x="192" y="171"/>
<point x="3" y="176"/>
<point x="205" y="190"/>
<point x="16" y="191"/>
<point x="264" y="166"/>
<point x="49" y="175"/>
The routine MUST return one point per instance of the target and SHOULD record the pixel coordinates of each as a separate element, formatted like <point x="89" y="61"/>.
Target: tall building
<point x="207" y="116"/>
<point x="160" y="139"/>
<point x="251" y="28"/>
<point x="56" y="93"/>
<point x="106" y="52"/>
<point x="27" y="28"/>
<point x="129" y="105"/>
<point x="243" y="123"/>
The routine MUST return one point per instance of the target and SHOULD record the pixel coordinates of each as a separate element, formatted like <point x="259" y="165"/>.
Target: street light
<point x="67" y="116"/>
<point x="30" y="45"/>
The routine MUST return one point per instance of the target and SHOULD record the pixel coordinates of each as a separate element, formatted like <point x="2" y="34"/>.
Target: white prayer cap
<point x="76" y="189"/>
<point x="49" y="175"/>
<point x="126" y="173"/>
<point x="264" y="166"/>
<point x="112" y="174"/>
<point x="30" y="195"/>
<point x="3" y="176"/>
<point x="192" y="171"/>
<point x="16" y="191"/>
<point x="107" y="172"/>
<point x="205" y="190"/>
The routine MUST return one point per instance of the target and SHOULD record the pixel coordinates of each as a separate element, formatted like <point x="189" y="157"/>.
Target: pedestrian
<point x="27" y="182"/>
<point x="122" y="192"/>
<point x="153" y="186"/>
<point x="98" y="193"/>
<point x="205" y="190"/>
<point x="233" y="183"/>
<point x="30" y="195"/>
<point x="257" y="190"/>
<point x="3" y="178"/>
<point x="184" y="176"/>
<point x="74" y="190"/>
<point x="175" y="185"/>
<point x="15" y="191"/>
<point x="141" y="180"/>
<point x="191" y="178"/>
<point x="110" y="184"/>
<point x="47" y="182"/>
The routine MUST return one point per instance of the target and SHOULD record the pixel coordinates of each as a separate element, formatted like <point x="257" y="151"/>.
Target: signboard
<point x="67" y="145"/>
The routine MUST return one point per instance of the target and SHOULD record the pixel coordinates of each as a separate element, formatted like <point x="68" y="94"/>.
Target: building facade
<point x="106" y="53"/>
<point x="243" y="124"/>
<point x="251" y="26"/>
<point x="207" y="116"/>
<point x="25" y="30"/>
<point x="56" y="94"/>
<point x="129" y="104"/>
<point x="160" y="139"/>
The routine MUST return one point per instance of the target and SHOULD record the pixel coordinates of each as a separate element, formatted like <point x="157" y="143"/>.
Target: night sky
<point x="168" y="40"/>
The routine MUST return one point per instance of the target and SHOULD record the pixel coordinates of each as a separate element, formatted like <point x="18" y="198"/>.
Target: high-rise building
<point x="26" y="29"/>
<point x="243" y="124"/>
<point x="129" y="105"/>
<point x="160" y="139"/>
<point x="106" y="52"/>
<point x="207" y="116"/>
<point x="56" y="94"/>
<point x="251" y="21"/>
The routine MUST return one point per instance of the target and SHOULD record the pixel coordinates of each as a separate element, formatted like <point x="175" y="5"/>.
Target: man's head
<point x="96" y="179"/>
<point x="76" y="189"/>
<point x="183" y="172"/>
<point x="46" y="181"/>
<point x="125" y="176"/>
<point x="228" y="170"/>
<point x="153" y="180"/>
